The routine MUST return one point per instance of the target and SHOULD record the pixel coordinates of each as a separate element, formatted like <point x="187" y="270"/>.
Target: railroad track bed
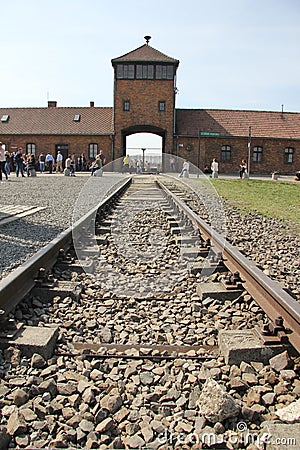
<point x="272" y="244"/>
<point x="137" y="363"/>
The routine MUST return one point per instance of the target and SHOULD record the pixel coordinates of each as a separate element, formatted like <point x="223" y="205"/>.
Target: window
<point x="93" y="150"/>
<point x="225" y="153"/>
<point x="5" y="118"/>
<point x="161" y="106"/>
<point x="125" y="71"/>
<point x="289" y="155"/>
<point x="126" y="105"/>
<point x="170" y="72"/>
<point x="77" y="118"/>
<point x="257" y="154"/>
<point x="164" y="72"/>
<point x="144" y="71"/>
<point x="31" y="149"/>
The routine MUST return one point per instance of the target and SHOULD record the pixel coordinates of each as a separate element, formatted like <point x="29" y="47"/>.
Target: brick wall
<point x="144" y="114"/>
<point x="205" y="149"/>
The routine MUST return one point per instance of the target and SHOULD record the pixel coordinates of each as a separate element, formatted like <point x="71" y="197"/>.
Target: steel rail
<point x="268" y="293"/>
<point x="21" y="281"/>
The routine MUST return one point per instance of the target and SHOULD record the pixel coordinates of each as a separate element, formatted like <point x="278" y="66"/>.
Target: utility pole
<point x="143" y="150"/>
<point x="249" y="150"/>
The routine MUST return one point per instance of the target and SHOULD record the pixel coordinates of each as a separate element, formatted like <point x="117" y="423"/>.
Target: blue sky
<point x="234" y="54"/>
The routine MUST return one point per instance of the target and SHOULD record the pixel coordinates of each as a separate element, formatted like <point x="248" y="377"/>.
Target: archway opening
<point x="145" y="151"/>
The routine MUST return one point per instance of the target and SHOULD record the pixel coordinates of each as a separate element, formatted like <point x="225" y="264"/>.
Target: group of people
<point x="213" y="171"/>
<point x="136" y="165"/>
<point x="17" y="162"/>
<point x="22" y="163"/>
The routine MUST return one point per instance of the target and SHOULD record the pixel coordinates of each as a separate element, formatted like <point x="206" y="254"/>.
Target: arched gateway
<point x="144" y="96"/>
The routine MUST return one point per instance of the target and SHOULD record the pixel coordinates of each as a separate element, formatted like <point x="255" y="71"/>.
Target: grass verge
<point x="278" y="199"/>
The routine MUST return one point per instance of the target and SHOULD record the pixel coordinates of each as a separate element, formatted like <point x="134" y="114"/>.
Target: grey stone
<point x="16" y="424"/>
<point x="216" y="405"/>
<point x="135" y="441"/>
<point x="111" y="402"/>
<point x="86" y="426"/>
<point x="37" y="361"/>
<point x="105" y="425"/>
<point x="20" y="397"/>
<point x="290" y="413"/>
<point x="146" y="378"/>
<point x="280" y="362"/>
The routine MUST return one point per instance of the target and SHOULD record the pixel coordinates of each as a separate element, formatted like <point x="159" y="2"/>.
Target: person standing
<point x="49" y="161"/>
<point x="125" y="167"/>
<point x="73" y="165"/>
<point x="19" y="160"/>
<point x="59" y="162"/>
<point x="67" y="171"/>
<point x="172" y="164"/>
<point x="214" y="168"/>
<point x="42" y="162"/>
<point x="102" y="157"/>
<point x="2" y="162"/>
<point x="8" y="161"/>
<point x="243" y="169"/>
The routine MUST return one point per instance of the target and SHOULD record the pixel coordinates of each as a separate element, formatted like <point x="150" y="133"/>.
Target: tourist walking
<point x="185" y="172"/>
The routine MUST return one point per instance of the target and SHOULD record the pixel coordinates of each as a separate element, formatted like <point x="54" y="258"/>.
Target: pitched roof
<point x="145" y="53"/>
<point x="237" y="122"/>
<point x="57" y="120"/>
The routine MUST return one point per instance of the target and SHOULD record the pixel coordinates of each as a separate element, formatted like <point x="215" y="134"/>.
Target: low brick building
<point x="144" y="101"/>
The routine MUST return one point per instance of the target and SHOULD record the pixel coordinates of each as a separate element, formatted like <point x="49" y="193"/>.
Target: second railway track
<point x="144" y="337"/>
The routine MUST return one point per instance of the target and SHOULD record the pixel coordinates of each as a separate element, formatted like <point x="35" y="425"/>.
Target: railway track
<point x="142" y="286"/>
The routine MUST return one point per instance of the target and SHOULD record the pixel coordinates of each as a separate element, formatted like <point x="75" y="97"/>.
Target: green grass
<point x="277" y="199"/>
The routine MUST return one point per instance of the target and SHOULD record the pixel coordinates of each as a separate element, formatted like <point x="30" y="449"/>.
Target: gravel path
<point x="22" y="238"/>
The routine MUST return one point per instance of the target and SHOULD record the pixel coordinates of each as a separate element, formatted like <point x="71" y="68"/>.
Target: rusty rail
<point x="19" y="283"/>
<point x="268" y="294"/>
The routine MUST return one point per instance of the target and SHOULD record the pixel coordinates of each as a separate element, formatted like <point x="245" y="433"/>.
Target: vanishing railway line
<point x="132" y="310"/>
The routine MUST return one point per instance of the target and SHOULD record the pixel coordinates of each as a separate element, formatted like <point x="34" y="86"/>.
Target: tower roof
<point x="145" y="53"/>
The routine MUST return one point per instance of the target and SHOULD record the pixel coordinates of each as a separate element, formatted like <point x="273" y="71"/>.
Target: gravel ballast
<point x="21" y="238"/>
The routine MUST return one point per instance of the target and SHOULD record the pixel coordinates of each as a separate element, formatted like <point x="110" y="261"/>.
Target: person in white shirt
<point x="185" y="169"/>
<point x="49" y="161"/>
<point x="59" y="162"/>
<point x="215" y="168"/>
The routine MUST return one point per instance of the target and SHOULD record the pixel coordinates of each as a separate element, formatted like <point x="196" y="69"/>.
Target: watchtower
<point x="144" y="96"/>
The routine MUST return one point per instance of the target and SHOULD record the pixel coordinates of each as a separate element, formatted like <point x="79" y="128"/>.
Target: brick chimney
<point x="52" y="104"/>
